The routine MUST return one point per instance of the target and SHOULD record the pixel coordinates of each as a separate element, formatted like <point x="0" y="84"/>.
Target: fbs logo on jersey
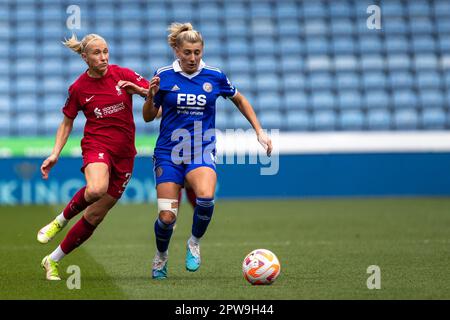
<point x="98" y="113"/>
<point x="175" y="88"/>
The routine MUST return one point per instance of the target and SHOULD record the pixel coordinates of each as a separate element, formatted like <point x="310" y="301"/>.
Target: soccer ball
<point x="261" y="266"/>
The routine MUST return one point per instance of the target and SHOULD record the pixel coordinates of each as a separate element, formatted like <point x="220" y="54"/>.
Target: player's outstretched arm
<point x="149" y="111"/>
<point x="249" y="113"/>
<point x="64" y="130"/>
<point x="132" y="88"/>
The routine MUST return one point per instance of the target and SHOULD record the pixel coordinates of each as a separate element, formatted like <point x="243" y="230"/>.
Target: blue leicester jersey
<point x="188" y="108"/>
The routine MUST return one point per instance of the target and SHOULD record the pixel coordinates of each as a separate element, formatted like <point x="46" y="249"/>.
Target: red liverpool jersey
<point x="108" y="110"/>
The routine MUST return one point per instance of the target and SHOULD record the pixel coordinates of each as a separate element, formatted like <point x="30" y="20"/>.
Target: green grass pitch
<point x="324" y="246"/>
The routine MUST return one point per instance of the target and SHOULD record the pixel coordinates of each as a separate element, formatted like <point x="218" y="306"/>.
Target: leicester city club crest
<point x="207" y="87"/>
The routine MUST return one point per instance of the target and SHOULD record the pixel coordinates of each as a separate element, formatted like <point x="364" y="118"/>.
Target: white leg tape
<point x="168" y="205"/>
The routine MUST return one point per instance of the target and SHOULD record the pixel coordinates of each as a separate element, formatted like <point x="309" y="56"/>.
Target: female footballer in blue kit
<point x="187" y="91"/>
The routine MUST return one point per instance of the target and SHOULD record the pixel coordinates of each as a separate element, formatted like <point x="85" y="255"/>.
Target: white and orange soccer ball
<point x="261" y="266"/>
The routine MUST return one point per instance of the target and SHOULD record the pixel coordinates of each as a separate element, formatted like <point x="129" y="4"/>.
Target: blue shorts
<point x="165" y="170"/>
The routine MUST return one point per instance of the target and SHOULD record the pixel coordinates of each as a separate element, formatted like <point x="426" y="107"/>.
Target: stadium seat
<point x="268" y="82"/>
<point x="351" y="120"/>
<point x="431" y="98"/>
<point x="293" y="82"/>
<point x="406" y="119"/>
<point x="433" y="118"/>
<point x="286" y="10"/>
<point x="322" y="100"/>
<point x="404" y="99"/>
<point x="397" y="44"/>
<point x="374" y="80"/>
<point x="315" y="45"/>
<point x="349" y="100"/>
<point x="343" y="45"/>
<point x="377" y="99"/>
<point x="269" y="101"/>
<point x="316" y="27"/>
<point x="25" y="124"/>
<point x="296" y="100"/>
<point x="265" y="64"/>
<point x="398" y="62"/>
<point x="324" y="120"/>
<point x="271" y="119"/>
<point x="428" y="80"/>
<point x="423" y="44"/>
<point x="401" y="80"/>
<point x="298" y="121"/>
<point x="5" y="125"/>
<point x="319" y="81"/>
<point x="347" y="80"/>
<point x="314" y="9"/>
<point x="379" y="119"/>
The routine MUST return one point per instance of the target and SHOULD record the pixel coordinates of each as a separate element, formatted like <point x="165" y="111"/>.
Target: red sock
<point x="191" y="197"/>
<point x="79" y="233"/>
<point x="76" y="205"/>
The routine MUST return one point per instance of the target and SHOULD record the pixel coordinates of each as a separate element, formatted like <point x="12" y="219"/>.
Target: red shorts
<point x="120" y="170"/>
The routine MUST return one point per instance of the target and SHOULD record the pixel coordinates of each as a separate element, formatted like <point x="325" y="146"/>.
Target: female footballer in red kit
<point x="104" y="94"/>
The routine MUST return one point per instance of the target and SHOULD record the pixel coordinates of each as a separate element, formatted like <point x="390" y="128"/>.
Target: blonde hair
<point x="180" y="32"/>
<point x="80" y="46"/>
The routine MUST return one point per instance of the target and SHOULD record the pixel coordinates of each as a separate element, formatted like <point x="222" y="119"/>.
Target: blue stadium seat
<point x="26" y="103"/>
<point x="343" y="45"/>
<point x="347" y="80"/>
<point x="314" y="9"/>
<point x="269" y="101"/>
<point x="268" y="82"/>
<point x="264" y="64"/>
<point x="289" y="47"/>
<point x="395" y="26"/>
<point x="320" y="81"/>
<point x="239" y="64"/>
<point x="340" y="9"/>
<point x="441" y="8"/>
<point x="447" y="80"/>
<point x="322" y="100"/>
<point x="51" y="122"/>
<point x="425" y="62"/>
<point x="443" y="26"/>
<point x="296" y="100"/>
<point x="288" y="28"/>
<point x="351" y="120"/>
<point x="238" y="120"/>
<point x="271" y="119"/>
<point x="370" y="44"/>
<point x="54" y="84"/>
<point x="238" y="46"/>
<point x="5" y="125"/>
<point x="209" y="30"/>
<point x="209" y="11"/>
<point x="264" y="46"/>
<point x="236" y="11"/>
<point x="298" y="120"/>
<point x="317" y="63"/>
<point x="379" y="119"/>
<point x="428" y="80"/>
<point x="291" y="64"/>
<point x="423" y="44"/>
<point x="399" y="62"/>
<point x="372" y="62"/>
<point x="393" y="9"/>
<point x="243" y="82"/>
<point x="373" y="80"/>
<point x="397" y="44"/>
<point x="421" y="26"/>
<point x="406" y="119"/>
<point x="349" y="99"/>
<point x="53" y="102"/>
<point x="293" y="81"/>
<point x="324" y="120"/>
<point x="444" y="43"/>
<point x="316" y="27"/>
<point x="26" y="85"/>
<point x="433" y="118"/>
<point x="262" y="28"/>
<point x="343" y="27"/>
<point x="286" y="10"/>
<point x="182" y="12"/>
<point x="401" y="80"/>
<point x="5" y="105"/>
<point x="377" y="99"/>
<point x="222" y="120"/>
<point x="418" y="9"/>
<point x="404" y="99"/>
<point x="260" y="9"/>
<point x="157" y="12"/>
<point x="314" y="45"/>
<point x="431" y="98"/>
<point x="346" y="63"/>
<point x="25" y="124"/>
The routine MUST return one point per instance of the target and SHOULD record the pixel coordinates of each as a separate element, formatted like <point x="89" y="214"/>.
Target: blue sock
<point x="163" y="232"/>
<point x="202" y="216"/>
